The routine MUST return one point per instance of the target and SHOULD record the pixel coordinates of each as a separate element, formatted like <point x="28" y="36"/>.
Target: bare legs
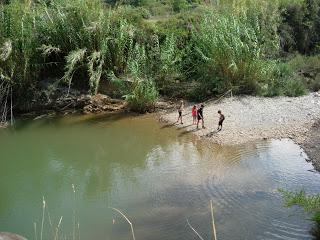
<point x="202" y="122"/>
<point x="194" y="120"/>
<point x="180" y="118"/>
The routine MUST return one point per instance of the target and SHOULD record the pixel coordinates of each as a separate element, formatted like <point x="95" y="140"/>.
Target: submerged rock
<point x="10" y="236"/>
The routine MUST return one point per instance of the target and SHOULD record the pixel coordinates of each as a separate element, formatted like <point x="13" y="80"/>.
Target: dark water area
<point x="155" y="174"/>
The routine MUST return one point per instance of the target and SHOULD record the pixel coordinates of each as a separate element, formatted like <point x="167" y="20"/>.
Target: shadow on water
<point x="187" y="132"/>
<point x="61" y="120"/>
<point x="315" y="231"/>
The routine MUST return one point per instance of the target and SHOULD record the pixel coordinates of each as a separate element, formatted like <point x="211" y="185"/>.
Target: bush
<point x="284" y="81"/>
<point x="308" y="68"/>
<point x="229" y="53"/>
<point x="294" y="87"/>
<point x="300" y="26"/>
<point x="143" y="96"/>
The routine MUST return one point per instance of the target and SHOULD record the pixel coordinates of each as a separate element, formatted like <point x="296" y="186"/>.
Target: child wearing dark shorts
<point x="200" y="116"/>
<point x="180" y="110"/>
<point x="221" y="119"/>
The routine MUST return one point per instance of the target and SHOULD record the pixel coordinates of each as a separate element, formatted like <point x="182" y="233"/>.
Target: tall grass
<point x="80" y="42"/>
<point x="310" y="203"/>
<point x="230" y="52"/>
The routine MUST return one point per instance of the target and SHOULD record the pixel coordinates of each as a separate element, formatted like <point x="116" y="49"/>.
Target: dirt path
<point x="254" y="118"/>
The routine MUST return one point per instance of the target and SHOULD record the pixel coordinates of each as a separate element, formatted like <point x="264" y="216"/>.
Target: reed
<point x="231" y="53"/>
<point x="81" y="43"/>
<point x="195" y="231"/>
<point x="35" y="231"/>
<point x="127" y="219"/>
<point x="214" y="232"/>
<point x="56" y="235"/>
<point x="213" y="222"/>
<point x="42" y="220"/>
<point x="74" y="213"/>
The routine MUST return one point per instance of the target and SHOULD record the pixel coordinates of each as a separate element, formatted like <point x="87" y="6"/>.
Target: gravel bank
<point x="311" y="145"/>
<point x="254" y="118"/>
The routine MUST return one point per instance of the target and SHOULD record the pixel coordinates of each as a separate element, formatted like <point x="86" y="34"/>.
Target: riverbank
<point x="311" y="144"/>
<point x="250" y="119"/>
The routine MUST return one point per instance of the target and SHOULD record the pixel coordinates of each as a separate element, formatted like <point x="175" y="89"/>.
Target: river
<point x="156" y="174"/>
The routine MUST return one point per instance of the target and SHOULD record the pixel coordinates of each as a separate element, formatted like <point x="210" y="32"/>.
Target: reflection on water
<point x="155" y="174"/>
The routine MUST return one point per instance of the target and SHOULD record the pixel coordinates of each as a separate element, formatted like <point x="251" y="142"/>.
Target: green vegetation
<point x="143" y="48"/>
<point x="310" y="203"/>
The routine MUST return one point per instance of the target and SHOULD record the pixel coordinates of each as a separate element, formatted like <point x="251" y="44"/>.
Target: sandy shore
<point x="254" y="118"/>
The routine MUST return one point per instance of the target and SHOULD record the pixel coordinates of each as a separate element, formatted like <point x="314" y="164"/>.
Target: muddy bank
<point x="77" y="102"/>
<point x="250" y="119"/>
<point x="311" y="145"/>
<point x="64" y="103"/>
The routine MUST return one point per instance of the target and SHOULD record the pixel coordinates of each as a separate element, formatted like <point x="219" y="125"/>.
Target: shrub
<point x="230" y="53"/>
<point x="294" y="87"/>
<point x="143" y="96"/>
<point x="300" y="26"/>
<point x="308" y="68"/>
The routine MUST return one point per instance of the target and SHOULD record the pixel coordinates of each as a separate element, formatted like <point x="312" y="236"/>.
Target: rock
<point x="39" y="117"/>
<point x="10" y="236"/>
<point x="4" y="124"/>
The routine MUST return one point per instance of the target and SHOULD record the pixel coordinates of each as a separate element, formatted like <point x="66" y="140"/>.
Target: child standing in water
<point x="194" y="114"/>
<point x="180" y="110"/>
<point x="200" y="116"/>
<point x="221" y="119"/>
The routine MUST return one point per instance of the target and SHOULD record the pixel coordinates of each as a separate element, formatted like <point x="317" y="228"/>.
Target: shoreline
<point x="311" y="145"/>
<point x="248" y="118"/>
<point x="251" y="119"/>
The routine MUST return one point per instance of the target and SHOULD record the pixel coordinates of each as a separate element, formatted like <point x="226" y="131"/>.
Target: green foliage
<point x="206" y="48"/>
<point x="230" y="53"/>
<point x="308" y="68"/>
<point x="81" y="38"/>
<point x="143" y="96"/>
<point x="310" y="203"/>
<point x="284" y="81"/>
<point x="294" y="87"/>
<point x="300" y="26"/>
<point x="179" y="5"/>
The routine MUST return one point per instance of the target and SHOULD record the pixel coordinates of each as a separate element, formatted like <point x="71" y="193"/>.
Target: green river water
<point x="157" y="175"/>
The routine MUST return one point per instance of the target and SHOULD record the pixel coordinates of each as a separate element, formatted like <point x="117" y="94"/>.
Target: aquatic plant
<point x="54" y="231"/>
<point x="127" y="219"/>
<point x="310" y="203"/>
